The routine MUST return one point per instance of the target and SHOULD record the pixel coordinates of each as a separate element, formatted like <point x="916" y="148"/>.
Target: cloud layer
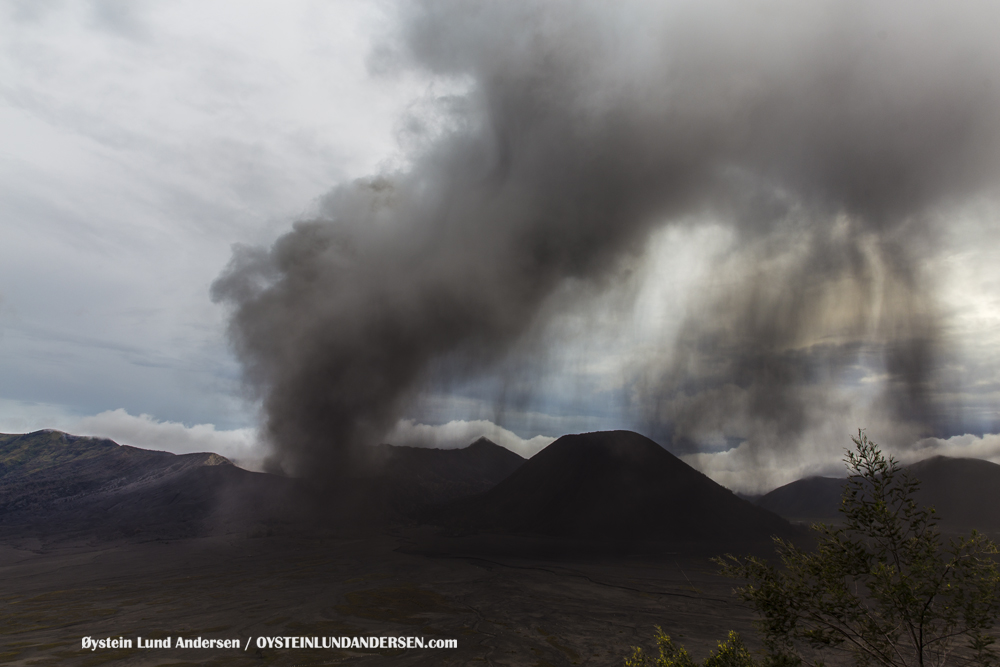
<point x="239" y="445"/>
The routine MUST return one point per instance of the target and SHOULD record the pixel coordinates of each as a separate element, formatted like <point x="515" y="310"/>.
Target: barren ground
<point x="502" y="609"/>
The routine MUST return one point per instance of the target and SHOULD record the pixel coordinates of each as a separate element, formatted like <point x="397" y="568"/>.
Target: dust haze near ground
<point x="833" y="138"/>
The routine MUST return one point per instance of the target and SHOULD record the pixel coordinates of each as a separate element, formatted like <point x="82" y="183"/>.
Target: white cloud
<point x="242" y="445"/>
<point x="744" y="468"/>
<point x="985" y="447"/>
<point x="456" y="434"/>
<point x="239" y="445"/>
<point x="747" y="470"/>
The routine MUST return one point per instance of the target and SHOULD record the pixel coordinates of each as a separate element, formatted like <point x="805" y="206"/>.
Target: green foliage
<point x="882" y="586"/>
<point x="730" y="653"/>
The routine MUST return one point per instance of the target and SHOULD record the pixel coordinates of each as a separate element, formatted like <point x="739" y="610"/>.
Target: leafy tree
<point x="731" y="653"/>
<point x="882" y="586"/>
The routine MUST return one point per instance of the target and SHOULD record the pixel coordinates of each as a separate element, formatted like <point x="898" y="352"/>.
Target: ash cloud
<point x="833" y="137"/>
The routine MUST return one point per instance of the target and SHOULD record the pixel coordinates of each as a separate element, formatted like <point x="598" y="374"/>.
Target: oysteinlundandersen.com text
<point x="92" y="644"/>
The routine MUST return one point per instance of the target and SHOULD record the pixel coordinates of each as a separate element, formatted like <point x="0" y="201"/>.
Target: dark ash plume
<point x="830" y="135"/>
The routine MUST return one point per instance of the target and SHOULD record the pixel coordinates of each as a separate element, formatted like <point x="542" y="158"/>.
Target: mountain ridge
<point x="53" y="482"/>
<point x="965" y="492"/>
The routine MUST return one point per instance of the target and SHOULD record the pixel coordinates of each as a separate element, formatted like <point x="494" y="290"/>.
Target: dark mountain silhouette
<point x="965" y="493"/>
<point x="806" y="499"/>
<point x="614" y="485"/>
<point x="417" y="477"/>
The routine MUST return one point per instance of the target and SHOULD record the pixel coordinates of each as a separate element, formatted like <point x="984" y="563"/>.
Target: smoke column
<point x="833" y="137"/>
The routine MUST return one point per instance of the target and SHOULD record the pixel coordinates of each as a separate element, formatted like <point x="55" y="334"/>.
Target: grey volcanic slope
<point x="614" y="485"/>
<point x="43" y="468"/>
<point x="52" y="482"/>
<point x="965" y="493"/>
<point x="416" y="477"/>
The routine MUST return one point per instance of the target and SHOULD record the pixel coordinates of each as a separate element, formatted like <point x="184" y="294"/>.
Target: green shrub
<point x="730" y="653"/>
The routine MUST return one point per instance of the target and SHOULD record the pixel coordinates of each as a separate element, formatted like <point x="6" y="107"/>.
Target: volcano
<point x="614" y="485"/>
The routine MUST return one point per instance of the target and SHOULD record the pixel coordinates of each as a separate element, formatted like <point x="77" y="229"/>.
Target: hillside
<point x="56" y="483"/>
<point x="965" y="493"/>
<point x="810" y="498"/>
<point x="417" y="477"/>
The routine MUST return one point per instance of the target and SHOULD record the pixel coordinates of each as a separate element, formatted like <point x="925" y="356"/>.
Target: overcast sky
<point x="140" y="140"/>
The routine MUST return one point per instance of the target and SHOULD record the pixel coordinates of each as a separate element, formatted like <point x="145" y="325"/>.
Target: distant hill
<point x="416" y="477"/>
<point x="965" y="493"/>
<point x="614" y="485"/>
<point x="45" y="467"/>
<point x="55" y="483"/>
<point x="806" y="499"/>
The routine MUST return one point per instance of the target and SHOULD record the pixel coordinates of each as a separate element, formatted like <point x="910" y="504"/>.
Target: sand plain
<point x="503" y="608"/>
